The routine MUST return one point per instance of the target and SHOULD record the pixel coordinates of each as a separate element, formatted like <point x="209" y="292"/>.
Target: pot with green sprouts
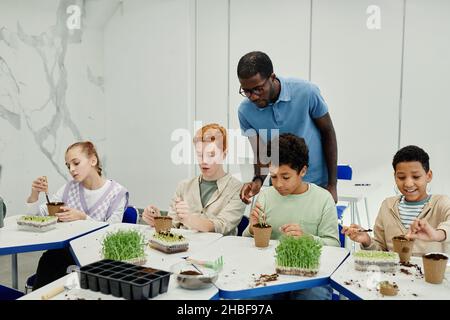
<point x="298" y="255"/>
<point x="124" y="245"/>
<point x="262" y="232"/>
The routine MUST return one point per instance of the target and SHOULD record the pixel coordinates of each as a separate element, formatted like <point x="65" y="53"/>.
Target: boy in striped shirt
<point x="414" y="213"/>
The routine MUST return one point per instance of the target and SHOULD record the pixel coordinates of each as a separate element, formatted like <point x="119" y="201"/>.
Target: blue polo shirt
<point x="299" y="103"/>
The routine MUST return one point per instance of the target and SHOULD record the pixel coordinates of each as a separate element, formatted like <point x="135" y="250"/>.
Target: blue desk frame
<point x="13" y="251"/>
<point x="285" y="287"/>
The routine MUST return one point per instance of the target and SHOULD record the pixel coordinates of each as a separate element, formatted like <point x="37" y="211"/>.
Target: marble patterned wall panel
<point x="51" y="93"/>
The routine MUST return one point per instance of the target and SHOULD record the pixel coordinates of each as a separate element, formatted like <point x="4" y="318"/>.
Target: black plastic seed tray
<point x="123" y="279"/>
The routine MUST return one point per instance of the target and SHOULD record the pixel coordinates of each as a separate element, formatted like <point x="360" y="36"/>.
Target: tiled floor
<point x="27" y="264"/>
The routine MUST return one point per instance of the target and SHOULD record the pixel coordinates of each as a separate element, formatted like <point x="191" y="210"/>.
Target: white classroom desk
<point x="357" y="285"/>
<point x="88" y="248"/>
<point x="174" y="292"/>
<point x="243" y="263"/>
<point x="14" y="241"/>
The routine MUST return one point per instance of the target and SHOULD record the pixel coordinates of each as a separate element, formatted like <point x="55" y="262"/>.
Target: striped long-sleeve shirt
<point x="410" y="210"/>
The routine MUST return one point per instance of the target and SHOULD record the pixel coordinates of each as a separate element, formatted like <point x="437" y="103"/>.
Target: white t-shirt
<point x="91" y="197"/>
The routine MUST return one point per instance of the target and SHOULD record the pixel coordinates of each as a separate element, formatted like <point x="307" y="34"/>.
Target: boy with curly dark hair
<point x="295" y="207"/>
<point x="291" y="205"/>
<point x="414" y="213"/>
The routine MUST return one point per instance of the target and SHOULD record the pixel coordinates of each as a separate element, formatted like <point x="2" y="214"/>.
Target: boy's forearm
<point x="330" y="152"/>
<point x="259" y="150"/>
<point x="329" y="145"/>
<point x="441" y="235"/>
<point x="257" y="172"/>
<point x="203" y="225"/>
<point x="444" y="228"/>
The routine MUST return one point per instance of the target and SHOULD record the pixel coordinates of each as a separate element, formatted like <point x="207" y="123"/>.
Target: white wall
<point x="426" y="85"/>
<point x="149" y="92"/>
<point x="157" y="66"/>
<point x="282" y="31"/>
<point x="359" y="70"/>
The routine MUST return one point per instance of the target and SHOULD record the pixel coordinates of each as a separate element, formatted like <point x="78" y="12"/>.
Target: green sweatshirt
<point x="314" y="210"/>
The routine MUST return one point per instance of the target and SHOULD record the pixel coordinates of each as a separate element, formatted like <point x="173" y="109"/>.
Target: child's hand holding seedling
<point x="357" y="234"/>
<point x="192" y="220"/>
<point x="181" y="208"/>
<point x="184" y="212"/>
<point x="37" y="186"/>
<point x="257" y="213"/>
<point x="257" y="216"/>
<point x="292" y="229"/>
<point x="422" y="230"/>
<point x="149" y="215"/>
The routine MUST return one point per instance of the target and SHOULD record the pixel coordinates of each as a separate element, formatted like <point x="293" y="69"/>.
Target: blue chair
<point x="340" y="212"/>
<point x="7" y="293"/>
<point x="344" y="172"/>
<point x="242" y="225"/>
<point x="130" y="215"/>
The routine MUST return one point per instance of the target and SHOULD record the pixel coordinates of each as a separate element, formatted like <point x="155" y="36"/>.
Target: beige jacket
<point x="225" y="208"/>
<point x="389" y="225"/>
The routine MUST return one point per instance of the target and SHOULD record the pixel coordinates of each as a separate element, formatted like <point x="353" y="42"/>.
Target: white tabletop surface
<point x="87" y="249"/>
<point x="244" y="263"/>
<point x="13" y="240"/>
<point x="411" y="286"/>
<point x="174" y="292"/>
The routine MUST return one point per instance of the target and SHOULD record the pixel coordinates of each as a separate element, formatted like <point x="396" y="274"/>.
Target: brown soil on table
<point x="264" y="278"/>
<point x="409" y="265"/>
<point x="405" y="271"/>
<point x="353" y="282"/>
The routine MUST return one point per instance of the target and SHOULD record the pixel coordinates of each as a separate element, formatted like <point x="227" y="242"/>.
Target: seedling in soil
<point x="123" y="245"/>
<point x="298" y="252"/>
